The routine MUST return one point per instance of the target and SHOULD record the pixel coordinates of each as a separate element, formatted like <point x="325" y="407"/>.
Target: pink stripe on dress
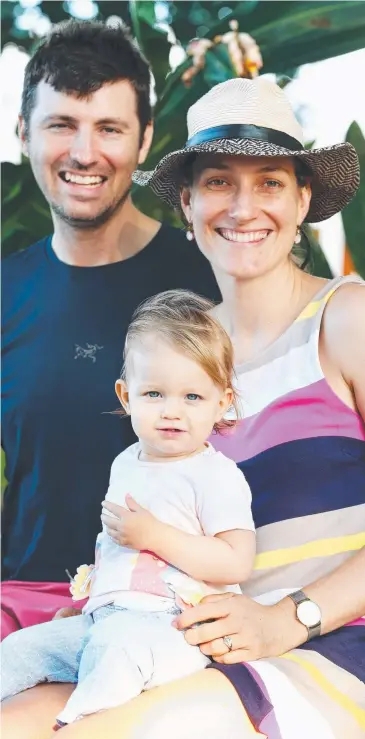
<point x="308" y="412"/>
<point x="357" y="622"/>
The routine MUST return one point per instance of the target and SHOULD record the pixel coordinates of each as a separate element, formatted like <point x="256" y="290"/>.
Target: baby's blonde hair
<point x="183" y="320"/>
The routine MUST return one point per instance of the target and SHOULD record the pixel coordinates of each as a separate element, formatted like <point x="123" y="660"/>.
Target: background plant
<point x="288" y="33"/>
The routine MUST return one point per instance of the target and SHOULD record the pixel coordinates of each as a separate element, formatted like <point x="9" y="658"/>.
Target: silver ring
<point x="228" y="642"/>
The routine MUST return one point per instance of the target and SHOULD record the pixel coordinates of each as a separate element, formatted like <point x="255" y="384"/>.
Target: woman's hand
<point x="256" y="631"/>
<point x="136" y="528"/>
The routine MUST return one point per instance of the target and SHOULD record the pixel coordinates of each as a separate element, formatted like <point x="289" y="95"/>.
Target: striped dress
<point x="302" y="451"/>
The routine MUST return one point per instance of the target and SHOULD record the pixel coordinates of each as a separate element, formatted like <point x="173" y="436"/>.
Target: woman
<point x="296" y="659"/>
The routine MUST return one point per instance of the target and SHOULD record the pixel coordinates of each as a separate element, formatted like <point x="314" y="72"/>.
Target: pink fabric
<point x="308" y="412"/>
<point x="28" y="603"/>
<point x="357" y="622"/>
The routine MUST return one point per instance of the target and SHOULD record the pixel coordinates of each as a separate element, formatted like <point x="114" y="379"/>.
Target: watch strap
<point x="314" y="631"/>
<point x="299" y="597"/>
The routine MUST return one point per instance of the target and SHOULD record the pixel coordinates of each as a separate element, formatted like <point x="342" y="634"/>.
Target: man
<point x="85" y="125"/>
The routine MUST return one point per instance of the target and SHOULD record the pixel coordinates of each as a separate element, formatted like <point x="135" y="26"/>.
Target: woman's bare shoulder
<point x="346" y="307"/>
<point x="343" y="329"/>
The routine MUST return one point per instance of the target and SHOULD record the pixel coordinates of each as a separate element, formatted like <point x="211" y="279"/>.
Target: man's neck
<point x="256" y="312"/>
<point x="123" y="236"/>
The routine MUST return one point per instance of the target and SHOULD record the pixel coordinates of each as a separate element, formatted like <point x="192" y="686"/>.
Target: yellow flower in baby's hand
<point x="80" y="584"/>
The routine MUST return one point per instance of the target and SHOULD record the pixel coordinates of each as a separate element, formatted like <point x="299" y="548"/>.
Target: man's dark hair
<point x="79" y="57"/>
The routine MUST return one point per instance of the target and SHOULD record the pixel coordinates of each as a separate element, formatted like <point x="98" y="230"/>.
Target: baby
<point x="177" y="522"/>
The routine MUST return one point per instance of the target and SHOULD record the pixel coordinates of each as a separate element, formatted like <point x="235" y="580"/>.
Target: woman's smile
<point x="250" y="238"/>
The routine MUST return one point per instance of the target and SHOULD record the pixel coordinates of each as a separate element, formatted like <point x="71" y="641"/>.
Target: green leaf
<point x="10" y="227"/>
<point x="152" y="40"/>
<point x="145" y="10"/>
<point x="173" y="80"/>
<point x="282" y="80"/>
<point x="318" y="261"/>
<point x="4" y="481"/>
<point x="293" y="33"/>
<point x="25" y="216"/>
<point x="181" y="98"/>
<point x="218" y="67"/>
<point x="136" y="14"/>
<point x="308" y="32"/>
<point x="14" y="192"/>
<point x="289" y="33"/>
<point x="353" y="216"/>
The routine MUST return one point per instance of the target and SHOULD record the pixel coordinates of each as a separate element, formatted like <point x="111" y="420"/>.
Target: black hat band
<point x="243" y="131"/>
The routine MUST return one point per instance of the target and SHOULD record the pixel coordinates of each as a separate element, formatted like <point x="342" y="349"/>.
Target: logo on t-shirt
<point x="88" y="353"/>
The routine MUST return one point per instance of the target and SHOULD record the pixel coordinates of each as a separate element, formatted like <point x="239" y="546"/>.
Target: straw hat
<point x="254" y="118"/>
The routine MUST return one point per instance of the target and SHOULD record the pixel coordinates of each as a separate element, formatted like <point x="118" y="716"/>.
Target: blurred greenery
<point x="354" y="215"/>
<point x="3" y="479"/>
<point x="289" y="34"/>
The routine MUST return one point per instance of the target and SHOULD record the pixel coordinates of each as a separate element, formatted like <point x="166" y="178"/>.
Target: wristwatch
<point x="308" y="613"/>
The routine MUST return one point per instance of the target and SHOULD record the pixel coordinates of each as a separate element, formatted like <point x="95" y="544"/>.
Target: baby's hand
<point x="135" y="528"/>
<point x="66" y="613"/>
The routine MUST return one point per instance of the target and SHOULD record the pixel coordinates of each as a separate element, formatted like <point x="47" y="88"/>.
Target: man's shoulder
<point x="174" y="240"/>
<point x="167" y="230"/>
<point x="24" y="260"/>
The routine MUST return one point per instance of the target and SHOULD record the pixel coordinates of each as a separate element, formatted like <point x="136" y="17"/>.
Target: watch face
<point x="309" y="613"/>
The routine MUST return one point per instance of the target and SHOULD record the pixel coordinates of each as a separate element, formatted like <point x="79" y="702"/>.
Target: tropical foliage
<point x="288" y="33"/>
<point x="354" y="215"/>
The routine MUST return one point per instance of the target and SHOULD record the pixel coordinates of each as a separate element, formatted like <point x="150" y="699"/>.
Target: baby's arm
<point x="223" y="554"/>
<point x="226" y="552"/>
<point x="225" y="558"/>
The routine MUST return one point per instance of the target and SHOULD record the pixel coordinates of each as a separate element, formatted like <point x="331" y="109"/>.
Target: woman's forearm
<point x="340" y="596"/>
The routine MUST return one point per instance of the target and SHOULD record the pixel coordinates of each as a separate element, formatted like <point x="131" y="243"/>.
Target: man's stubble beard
<point x="93" y="221"/>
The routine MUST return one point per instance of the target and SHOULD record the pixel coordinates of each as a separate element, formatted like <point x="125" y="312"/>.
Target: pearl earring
<point x="190" y="233"/>
<point x="298" y="236"/>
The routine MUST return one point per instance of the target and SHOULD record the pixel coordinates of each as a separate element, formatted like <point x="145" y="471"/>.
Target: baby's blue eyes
<point x="155" y="394"/>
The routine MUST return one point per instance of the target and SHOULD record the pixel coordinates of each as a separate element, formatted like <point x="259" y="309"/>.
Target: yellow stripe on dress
<point x="319" y="548"/>
<point x="311" y="309"/>
<point x="342" y="700"/>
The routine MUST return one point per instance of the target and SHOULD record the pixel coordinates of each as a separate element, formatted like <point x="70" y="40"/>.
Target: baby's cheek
<point x="137" y="423"/>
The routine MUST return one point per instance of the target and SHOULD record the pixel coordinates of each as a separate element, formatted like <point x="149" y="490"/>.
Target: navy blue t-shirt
<point x="63" y="337"/>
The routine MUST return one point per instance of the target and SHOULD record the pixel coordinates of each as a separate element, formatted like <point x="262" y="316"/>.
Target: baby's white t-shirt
<point x="205" y="494"/>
